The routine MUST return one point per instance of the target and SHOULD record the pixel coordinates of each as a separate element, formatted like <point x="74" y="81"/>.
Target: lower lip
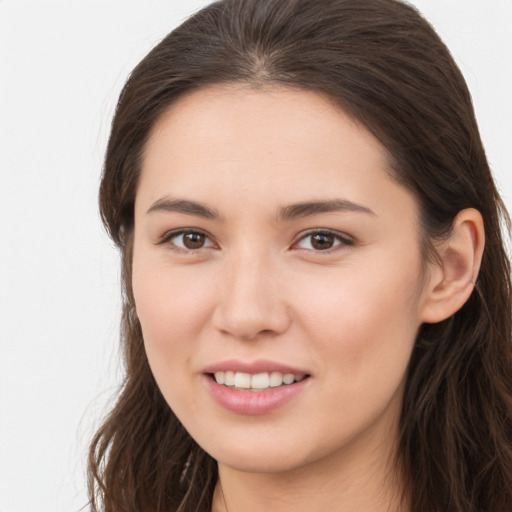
<point x="253" y="402"/>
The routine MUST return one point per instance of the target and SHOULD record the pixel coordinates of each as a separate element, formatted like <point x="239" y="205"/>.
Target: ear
<point x="451" y="281"/>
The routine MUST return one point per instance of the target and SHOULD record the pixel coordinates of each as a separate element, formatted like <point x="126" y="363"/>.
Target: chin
<point x="258" y="461"/>
<point x="264" y="454"/>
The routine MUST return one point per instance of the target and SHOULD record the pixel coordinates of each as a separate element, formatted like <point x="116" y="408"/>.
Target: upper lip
<point x="253" y="367"/>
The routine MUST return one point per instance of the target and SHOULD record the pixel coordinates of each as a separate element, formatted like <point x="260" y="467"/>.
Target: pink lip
<point x="252" y="403"/>
<point x="253" y="367"/>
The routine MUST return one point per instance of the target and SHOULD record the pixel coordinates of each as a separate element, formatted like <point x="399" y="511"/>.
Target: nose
<point x="251" y="302"/>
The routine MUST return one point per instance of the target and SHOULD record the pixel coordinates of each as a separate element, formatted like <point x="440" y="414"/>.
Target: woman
<point x="316" y="292"/>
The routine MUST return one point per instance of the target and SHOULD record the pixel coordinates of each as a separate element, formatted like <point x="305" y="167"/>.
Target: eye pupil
<point x="193" y="240"/>
<point x="322" y="241"/>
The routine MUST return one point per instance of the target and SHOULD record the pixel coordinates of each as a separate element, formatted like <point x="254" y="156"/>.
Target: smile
<point x="256" y="382"/>
<point x="256" y="392"/>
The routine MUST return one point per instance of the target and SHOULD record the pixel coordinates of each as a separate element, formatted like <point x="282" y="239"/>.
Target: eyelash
<point x="167" y="239"/>
<point x="341" y="240"/>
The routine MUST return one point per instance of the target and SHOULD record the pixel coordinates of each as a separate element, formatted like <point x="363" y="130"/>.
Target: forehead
<point x="251" y="120"/>
<point x="275" y="143"/>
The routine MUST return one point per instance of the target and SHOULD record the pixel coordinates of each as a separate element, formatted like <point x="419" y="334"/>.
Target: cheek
<point x="172" y="309"/>
<point x="169" y="301"/>
<point x="364" y="323"/>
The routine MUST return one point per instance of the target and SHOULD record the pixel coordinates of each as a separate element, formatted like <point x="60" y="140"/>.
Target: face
<point x="277" y="277"/>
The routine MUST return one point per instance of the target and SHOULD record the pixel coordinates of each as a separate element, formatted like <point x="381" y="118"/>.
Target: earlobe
<point x="452" y="278"/>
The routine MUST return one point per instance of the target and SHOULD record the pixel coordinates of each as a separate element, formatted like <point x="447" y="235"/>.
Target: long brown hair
<point x="384" y="65"/>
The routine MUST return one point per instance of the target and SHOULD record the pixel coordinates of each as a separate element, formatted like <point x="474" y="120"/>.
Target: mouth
<point x="255" y="382"/>
<point x="255" y="387"/>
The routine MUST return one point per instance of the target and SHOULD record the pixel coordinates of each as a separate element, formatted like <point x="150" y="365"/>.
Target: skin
<point x="258" y="288"/>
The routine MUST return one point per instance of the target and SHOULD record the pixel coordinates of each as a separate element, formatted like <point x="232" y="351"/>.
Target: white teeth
<point x="229" y="378"/>
<point x="258" y="381"/>
<point x="276" y="379"/>
<point x="242" y="380"/>
<point x="288" y="378"/>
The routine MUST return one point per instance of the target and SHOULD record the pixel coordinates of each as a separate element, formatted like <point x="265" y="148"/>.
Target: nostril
<point x="246" y="314"/>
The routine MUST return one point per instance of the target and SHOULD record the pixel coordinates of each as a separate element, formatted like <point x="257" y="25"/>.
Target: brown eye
<point x="193" y="240"/>
<point x="189" y="240"/>
<point x="322" y="241"/>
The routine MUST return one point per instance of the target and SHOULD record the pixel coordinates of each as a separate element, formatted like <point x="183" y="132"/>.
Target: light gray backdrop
<point x="62" y="64"/>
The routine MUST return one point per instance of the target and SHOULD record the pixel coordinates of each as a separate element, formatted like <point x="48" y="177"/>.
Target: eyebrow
<point x="297" y="210"/>
<point x="183" y="206"/>
<point x="286" y="213"/>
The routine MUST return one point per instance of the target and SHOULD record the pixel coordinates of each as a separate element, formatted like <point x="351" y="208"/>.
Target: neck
<point x="363" y="478"/>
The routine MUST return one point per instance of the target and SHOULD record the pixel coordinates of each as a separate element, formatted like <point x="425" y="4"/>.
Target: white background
<point x="62" y="64"/>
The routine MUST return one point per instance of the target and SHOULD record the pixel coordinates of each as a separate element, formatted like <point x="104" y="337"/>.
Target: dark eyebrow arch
<point x="294" y="211"/>
<point x="183" y="206"/>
